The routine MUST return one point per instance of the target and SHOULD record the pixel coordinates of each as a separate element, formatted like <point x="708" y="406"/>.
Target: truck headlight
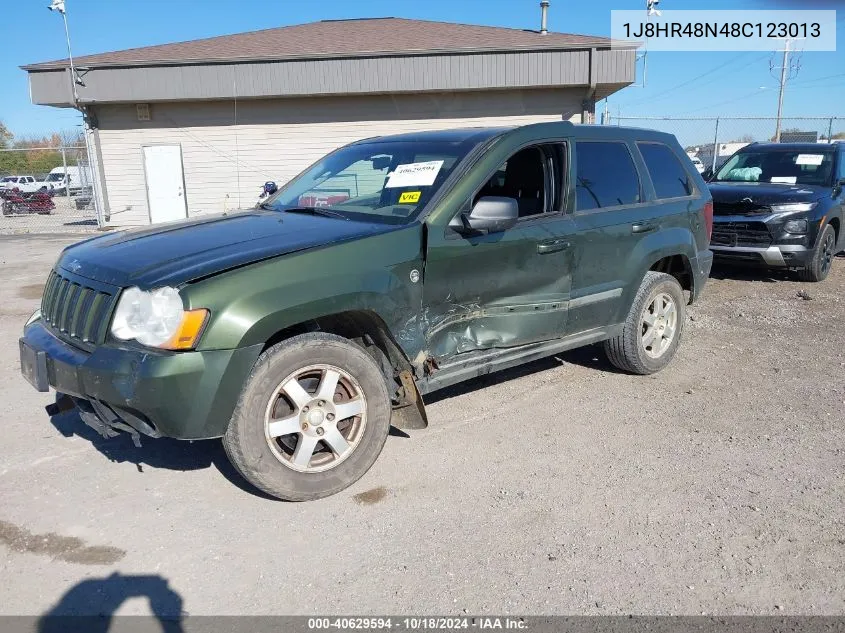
<point x="795" y="226"/>
<point x="157" y="318"/>
<point x="794" y="207"/>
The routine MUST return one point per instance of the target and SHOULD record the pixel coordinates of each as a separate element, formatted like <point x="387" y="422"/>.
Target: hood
<point x="732" y="198"/>
<point x="179" y="252"/>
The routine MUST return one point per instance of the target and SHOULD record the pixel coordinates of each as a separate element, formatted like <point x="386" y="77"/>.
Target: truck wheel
<point x="822" y="260"/>
<point x="312" y="418"/>
<point x="652" y="331"/>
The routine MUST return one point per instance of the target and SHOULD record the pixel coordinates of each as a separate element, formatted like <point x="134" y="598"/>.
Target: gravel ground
<point x="561" y="487"/>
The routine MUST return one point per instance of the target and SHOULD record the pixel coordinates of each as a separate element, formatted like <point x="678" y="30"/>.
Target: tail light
<point x="708" y="218"/>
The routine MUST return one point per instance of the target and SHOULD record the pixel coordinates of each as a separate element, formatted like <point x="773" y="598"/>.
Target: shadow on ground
<point x="90" y="605"/>
<point x="156" y="453"/>
<point x="590" y="357"/>
<point x="751" y="273"/>
<point x="164" y="452"/>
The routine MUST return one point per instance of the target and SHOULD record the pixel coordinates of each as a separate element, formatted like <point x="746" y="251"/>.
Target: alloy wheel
<point x="827" y="253"/>
<point x="315" y="418"/>
<point x="659" y="324"/>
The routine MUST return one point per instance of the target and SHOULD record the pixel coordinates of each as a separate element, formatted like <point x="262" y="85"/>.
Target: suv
<point x="395" y="266"/>
<point x="781" y="205"/>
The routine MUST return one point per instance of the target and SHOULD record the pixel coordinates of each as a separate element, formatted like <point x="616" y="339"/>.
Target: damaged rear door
<point x="507" y="288"/>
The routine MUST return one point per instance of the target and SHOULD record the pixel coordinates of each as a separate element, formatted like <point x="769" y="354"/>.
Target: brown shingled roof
<point x="338" y="38"/>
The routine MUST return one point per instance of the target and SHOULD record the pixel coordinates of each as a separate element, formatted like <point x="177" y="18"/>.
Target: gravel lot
<point x="562" y="487"/>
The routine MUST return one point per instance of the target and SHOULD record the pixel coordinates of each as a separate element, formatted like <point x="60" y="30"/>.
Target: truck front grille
<point x="76" y="311"/>
<point x="739" y="208"/>
<point x="754" y="234"/>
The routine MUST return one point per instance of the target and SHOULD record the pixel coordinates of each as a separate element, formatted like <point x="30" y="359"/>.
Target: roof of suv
<point x="564" y="128"/>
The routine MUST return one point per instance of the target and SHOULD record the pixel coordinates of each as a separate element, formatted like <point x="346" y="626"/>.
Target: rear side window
<point x="606" y="176"/>
<point x="670" y="178"/>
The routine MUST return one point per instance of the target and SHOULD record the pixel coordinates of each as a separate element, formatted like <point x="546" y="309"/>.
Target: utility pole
<point x="788" y="71"/>
<point x="782" y="88"/>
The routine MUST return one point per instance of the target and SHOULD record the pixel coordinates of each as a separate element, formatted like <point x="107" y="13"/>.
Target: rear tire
<point x="822" y="260"/>
<point x="312" y="418"/>
<point x="653" y="329"/>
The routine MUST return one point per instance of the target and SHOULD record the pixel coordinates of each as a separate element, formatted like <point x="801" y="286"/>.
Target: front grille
<point x="754" y="234"/>
<point x="76" y="311"/>
<point x="739" y="208"/>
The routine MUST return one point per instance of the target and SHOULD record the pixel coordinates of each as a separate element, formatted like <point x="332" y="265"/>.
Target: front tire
<point x="313" y="417"/>
<point x="653" y="329"/>
<point x="822" y="261"/>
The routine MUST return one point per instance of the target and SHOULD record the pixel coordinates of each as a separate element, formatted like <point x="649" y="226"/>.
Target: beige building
<point x="180" y="130"/>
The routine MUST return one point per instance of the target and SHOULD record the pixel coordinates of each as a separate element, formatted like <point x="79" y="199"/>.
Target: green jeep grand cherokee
<point x="393" y="267"/>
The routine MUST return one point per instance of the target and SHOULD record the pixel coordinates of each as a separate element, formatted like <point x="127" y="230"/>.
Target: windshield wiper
<point x="327" y="213"/>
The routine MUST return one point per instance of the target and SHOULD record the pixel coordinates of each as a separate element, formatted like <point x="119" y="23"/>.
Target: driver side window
<point x="527" y="176"/>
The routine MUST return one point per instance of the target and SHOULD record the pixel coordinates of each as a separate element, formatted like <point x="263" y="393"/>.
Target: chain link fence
<point x="714" y="140"/>
<point x="46" y="190"/>
<point x="52" y="189"/>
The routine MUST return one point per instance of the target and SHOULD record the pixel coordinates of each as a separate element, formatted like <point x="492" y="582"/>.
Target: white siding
<point x="229" y="150"/>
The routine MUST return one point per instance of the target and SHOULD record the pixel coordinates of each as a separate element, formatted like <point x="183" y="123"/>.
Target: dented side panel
<point x="495" y="290"/>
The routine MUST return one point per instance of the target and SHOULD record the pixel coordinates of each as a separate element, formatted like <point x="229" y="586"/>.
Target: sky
<point x="678" y="84"/>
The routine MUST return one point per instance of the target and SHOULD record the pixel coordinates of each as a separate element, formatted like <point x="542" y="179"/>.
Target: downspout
<point x="95" y="164"/>
<point x="588" y="105"/>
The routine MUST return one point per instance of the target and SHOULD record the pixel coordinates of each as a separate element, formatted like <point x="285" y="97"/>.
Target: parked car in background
<point x="781" y="205"/>
<point x="393" y="267"/>
<point x="24" y="184"/>
<point x="696" y="162"/>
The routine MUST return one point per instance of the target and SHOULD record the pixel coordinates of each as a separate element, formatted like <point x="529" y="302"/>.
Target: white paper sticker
<point x="414" y="175"/>
<point x="785" y="180"/>
<point x="809" y="159"/>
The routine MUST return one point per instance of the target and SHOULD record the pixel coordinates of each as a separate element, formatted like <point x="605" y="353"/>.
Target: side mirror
<point x="707" y="174"/>
<point x="491" y="214"/>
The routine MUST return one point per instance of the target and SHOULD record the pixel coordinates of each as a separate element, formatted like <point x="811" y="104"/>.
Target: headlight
<point x="795" y="226"/>
<point x="33" y="318"/>
<point x="157" y="318"/>
<point x="794" y="207"/>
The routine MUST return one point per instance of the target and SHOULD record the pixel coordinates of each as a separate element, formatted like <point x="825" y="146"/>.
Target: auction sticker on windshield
<point x="809" y="159"/>
<point x="410" y="197"/>
<point x="414" y="175"/>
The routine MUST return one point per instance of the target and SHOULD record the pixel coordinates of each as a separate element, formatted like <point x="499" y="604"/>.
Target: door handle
<point x="552" y="246"/>
<point x="643" y="228"/>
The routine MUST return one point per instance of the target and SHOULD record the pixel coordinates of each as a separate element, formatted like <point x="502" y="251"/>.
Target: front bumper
<point x="184" y="395"/>
<point x="783" y="256"/>
<point x="762" y="240"/>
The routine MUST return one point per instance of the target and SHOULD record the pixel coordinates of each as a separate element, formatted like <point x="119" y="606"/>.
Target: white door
<point x="165" y="183"/>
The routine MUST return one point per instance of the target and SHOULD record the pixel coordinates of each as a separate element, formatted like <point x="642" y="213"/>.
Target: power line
<point x="716" y="105"/>
<point x="686" y="83"/>
<point x="811" y="81"/>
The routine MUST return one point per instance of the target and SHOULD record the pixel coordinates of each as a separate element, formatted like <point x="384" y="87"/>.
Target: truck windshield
<point x="55" y="177"/>
<point x="779" y="166"/>
<point x="379" y="181"/>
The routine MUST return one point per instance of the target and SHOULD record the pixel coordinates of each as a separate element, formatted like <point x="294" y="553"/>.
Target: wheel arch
<point x="671" y="251"/>
<point x="836" y="222"/>
<point x="368" y="329"/>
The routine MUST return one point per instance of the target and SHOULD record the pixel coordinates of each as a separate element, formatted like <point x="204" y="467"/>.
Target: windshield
<point x="780" y="166"/>
<point x="386" y="182"/>
<point x="55" y="177"/>
<point x="10" y="179"/>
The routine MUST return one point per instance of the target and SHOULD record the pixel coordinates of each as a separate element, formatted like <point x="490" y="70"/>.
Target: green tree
<point x="5" y="136"/>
